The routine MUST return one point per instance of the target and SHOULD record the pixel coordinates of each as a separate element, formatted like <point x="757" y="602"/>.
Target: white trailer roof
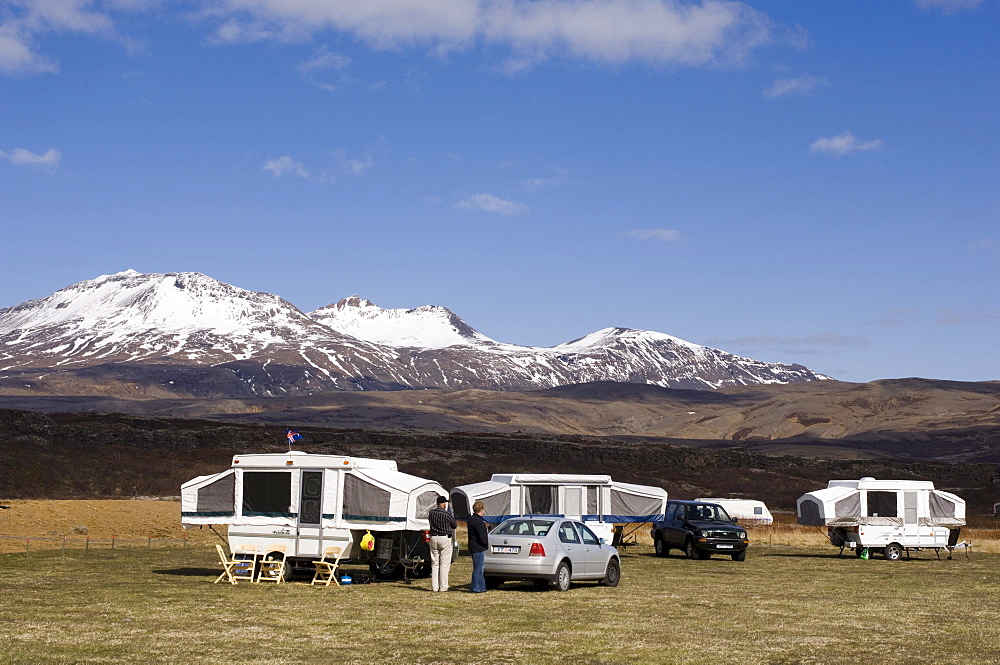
<point x="553" y="478"/>
<point x="296" y="458"/>
<point x="873" y="484"/>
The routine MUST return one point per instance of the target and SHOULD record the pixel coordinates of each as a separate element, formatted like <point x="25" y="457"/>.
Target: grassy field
<point x="785" y="604"/>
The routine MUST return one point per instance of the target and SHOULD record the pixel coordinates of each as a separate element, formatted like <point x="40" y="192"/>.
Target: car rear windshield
<point x="524" y="528"/>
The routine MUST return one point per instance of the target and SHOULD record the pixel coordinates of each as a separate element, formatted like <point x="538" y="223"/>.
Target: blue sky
<point x="810" y="182"/>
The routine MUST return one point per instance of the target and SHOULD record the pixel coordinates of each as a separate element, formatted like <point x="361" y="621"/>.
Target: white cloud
<point x="948" y="6"/>
<point x="800" y="85"/>
<point x="844" y="144"/>
<point x="663" y="235"/>
<point x="322" y="62"/>
<point x="661" y="32"/>
<point x="557" y="178"/>
<point x="21" y="157"/>
<point x="24" y="21"/>
<point x="357" y="165"/>
<point x="285" y="165"/>
<point x="490" y="203"/>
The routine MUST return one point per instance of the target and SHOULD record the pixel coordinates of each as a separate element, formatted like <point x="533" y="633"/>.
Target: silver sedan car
<point x="550" y="551"/>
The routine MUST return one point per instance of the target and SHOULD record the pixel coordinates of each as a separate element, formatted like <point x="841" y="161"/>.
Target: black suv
<point x="700" y="530"/>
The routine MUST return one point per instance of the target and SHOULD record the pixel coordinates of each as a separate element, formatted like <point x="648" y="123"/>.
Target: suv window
<point x="567" y="533"/>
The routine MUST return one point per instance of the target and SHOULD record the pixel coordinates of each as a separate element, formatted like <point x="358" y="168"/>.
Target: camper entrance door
<point x="911" y="529"/>
<point x="310" y="531"/>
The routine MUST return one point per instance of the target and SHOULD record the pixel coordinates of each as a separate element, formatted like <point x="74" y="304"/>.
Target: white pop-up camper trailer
<point x="745" y="511"/>
<point x="596" y="500"/>
<point x="306" y="503"/>
<point x="894" y="515"/>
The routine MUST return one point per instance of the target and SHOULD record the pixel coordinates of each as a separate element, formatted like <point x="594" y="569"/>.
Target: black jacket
<point x="478" y="536"/>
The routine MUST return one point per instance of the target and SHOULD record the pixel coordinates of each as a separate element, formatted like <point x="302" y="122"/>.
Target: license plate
<point x="724" y="547"/>
<point x="505" y="550"/>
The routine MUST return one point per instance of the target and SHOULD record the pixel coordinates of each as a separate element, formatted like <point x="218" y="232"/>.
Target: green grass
<point x="782" y="606"/>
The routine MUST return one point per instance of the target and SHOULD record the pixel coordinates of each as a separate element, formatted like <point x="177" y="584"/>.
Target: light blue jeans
<point x="478" y="564"/>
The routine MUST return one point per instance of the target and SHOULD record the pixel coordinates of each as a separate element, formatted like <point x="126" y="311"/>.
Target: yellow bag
<point x="368" y="541"/>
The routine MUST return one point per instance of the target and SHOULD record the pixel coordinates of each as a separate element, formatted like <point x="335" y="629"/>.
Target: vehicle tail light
<point x="536" y="550"/>
<point x="427" y="536"/>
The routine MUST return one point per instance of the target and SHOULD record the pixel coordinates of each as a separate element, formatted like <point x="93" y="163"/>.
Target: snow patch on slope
<point x="428" y="327"/>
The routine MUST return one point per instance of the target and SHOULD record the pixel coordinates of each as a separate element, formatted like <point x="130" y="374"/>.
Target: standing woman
<point x="478" y="544"/>
<point x="442" y="525"/>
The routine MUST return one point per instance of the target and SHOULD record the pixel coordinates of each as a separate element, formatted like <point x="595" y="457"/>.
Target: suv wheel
<point x="740" y="556"/>
<point x="661" y="548"/>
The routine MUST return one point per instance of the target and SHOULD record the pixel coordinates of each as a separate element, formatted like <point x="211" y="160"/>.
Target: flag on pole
<point x="292" y="436"/>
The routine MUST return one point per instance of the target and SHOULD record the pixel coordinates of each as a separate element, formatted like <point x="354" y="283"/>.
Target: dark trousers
<point x="478" y="579"/>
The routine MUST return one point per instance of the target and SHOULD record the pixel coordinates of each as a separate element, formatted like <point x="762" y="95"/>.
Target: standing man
<point x="479" y="542"/>
<point x="442" y="525"/>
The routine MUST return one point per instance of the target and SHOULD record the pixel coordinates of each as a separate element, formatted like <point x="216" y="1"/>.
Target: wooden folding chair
<point x="326" y="570"/>
<point x="272" y="567"/>
<point x="245" y="562"/>
<point x="227" y="566"/>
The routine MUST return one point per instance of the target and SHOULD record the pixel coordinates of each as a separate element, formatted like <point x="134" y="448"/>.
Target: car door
<point x="674" y="525"/>
<point x="595" y="554"/>
<point x="569" y="539"/>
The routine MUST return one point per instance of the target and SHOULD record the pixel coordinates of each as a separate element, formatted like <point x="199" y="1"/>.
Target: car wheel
<point x="693" y="552"/>
<point x="613" y="574"/>
<point x="740" y="556"/>
<point x="563" y="576"/>
<point x="893" y="552"/>
<point x="661" y="548"/>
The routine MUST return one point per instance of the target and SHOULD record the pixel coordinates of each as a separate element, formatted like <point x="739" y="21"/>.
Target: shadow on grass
<point x="189" y="572"/>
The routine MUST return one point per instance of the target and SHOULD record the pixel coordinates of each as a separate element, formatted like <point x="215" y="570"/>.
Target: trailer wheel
<point x="893" y="552"/>
<point x="422" y="571"/>
<point x="388" y="571"/>
<point x="661" y="548"/>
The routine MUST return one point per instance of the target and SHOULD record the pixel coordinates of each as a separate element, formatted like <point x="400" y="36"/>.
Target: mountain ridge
<point x="188" y="320"/>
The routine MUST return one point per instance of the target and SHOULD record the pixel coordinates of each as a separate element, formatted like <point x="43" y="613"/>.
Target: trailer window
<point x="592" y="508"/>
<point x="882" y="504"/>
<point x="267" y="493"/>
<point x="426" y="501"/>
<point x="218" y="498"/>
<point x="363" y="500"/>
<point x="497" y="504"/>
<point x="541" y="500"/>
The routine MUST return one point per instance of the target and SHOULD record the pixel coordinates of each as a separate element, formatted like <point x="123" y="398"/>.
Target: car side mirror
<point x="600" y="540"/>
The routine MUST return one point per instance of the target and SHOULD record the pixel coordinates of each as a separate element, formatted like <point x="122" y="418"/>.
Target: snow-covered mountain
<point x="189" y="332"/>
<point x="428" y="327"/>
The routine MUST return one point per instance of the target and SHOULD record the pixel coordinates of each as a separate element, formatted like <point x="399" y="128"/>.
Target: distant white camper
<point x="892" y="515"/>
<point x="745" y="511"/>
<point x="596" y="500"/>
<point x="306" y="503"/>
<point x="996" y="509"/>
